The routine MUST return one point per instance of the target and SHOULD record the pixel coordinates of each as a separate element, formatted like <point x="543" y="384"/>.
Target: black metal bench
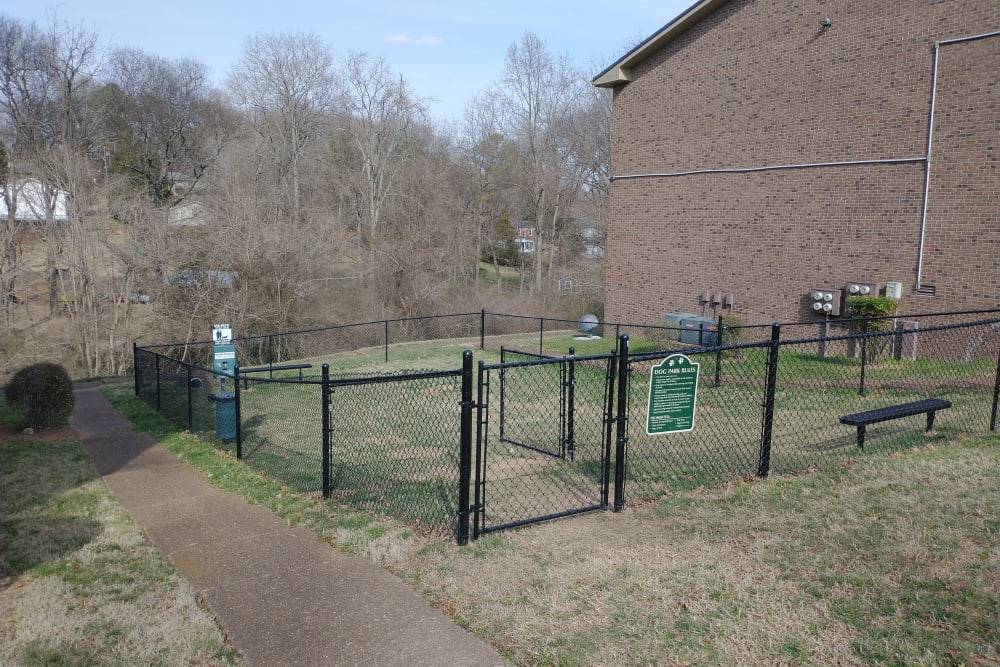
<point x="863" y="419"/>
<point x="270" y="370"/>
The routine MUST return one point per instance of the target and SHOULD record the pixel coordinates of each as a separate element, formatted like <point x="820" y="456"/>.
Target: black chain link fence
<point x="281" y="427"/>
<point x="394" y="445"/>
<point x="770" y="400"/>
<point x="543" y="446"/>
<point x="746" y="424"/>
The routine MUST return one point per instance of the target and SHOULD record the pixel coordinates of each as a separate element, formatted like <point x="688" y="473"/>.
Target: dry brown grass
<point x="79" y="584"/>
<point x="844" y="567"/>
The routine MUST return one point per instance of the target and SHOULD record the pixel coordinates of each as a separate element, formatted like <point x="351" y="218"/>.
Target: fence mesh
<point x="544" y="447"/>
<point x="817" y="381"/>
<point x="395" y="446"/>
<point x="769" y="401"/>
<point x="281" y="428"/>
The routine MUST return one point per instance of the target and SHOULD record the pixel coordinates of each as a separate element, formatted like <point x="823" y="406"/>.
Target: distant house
<point x="591" y="236"/>
<point x="526" y="237"/>
<point x="34" y="202"/>
<point x="203" y="278"/>
<point x="187" y="213"/>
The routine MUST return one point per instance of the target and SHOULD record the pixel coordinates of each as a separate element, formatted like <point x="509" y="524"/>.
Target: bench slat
<point x="895" y="411"/>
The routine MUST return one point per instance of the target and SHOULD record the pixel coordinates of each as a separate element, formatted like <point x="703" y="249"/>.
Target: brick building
<point x="763" y="148"/>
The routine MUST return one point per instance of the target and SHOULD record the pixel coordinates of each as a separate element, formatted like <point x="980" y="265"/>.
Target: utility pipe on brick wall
<point x="926" y="159"/>
<point x="930" y="143"/>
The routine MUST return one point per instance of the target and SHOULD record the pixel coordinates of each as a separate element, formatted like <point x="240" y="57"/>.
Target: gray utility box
<point x="699" y="331"/>
<point x="694" y="330"/>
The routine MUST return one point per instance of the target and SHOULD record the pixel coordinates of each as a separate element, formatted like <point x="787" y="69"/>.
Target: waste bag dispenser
<point x="225" y="414"/>
<point x="224" y="365"/>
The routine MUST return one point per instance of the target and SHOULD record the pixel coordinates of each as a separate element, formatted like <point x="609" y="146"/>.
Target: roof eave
<point x="621" y="71"/>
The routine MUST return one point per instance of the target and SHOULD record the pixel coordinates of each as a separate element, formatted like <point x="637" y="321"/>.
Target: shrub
<point x="43" y="394"/>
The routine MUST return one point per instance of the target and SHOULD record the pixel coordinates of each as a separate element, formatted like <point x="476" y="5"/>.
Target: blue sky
<point x="445" y="49"/>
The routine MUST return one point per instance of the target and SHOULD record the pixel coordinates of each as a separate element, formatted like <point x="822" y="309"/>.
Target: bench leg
<point x="861" y="436"/>
<point x="930" y="420"/>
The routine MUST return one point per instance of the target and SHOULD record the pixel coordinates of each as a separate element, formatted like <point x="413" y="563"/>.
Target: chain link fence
<point x="557" y="435"/>
<point x="394" y="445"/>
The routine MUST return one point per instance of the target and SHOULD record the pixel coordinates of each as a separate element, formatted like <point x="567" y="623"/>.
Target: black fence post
<point x="621" y="423"/>
<point x="996" y="396"/>
<point x="190" y="400"/>
<point x="609" y="411"/>
<point x="764" y="467"/>
<point x="465" y="450"/>
<point x="135" y="366"/>
<point x="482" y="329"/>
<point x="570" y="445"/>
<point x="236" y="401"/>
<point x="325" y="391"/>
<point x="864" y="355"/>
<point x="386" y="340"/>
<point x="158" y="383"/>
<point x="541" y="334"/>
<point x="718" y="354"/>
<point x="482" y="399"/>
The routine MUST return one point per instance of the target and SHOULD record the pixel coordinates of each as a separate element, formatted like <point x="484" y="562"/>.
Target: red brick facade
<point x="764" y="84"/>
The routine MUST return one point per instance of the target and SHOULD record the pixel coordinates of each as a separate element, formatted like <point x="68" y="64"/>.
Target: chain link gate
<point x="550" y="456"/>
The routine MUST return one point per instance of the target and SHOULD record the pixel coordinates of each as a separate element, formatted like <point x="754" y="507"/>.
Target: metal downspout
<point x="927" y="168"/>
<point x="930" y="138"/>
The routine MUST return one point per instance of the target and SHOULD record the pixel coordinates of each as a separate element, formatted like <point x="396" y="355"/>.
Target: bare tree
<point x="160" y="121"/>
<point x="284" y="84"/>
<point x="538" y="95"/>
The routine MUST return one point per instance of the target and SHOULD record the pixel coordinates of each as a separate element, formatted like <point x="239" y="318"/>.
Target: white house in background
<point x="187" y="213"/>
<point x="33" y="200"/>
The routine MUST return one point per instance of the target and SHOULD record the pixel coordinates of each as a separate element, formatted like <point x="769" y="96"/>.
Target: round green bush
<point x="43" y="394"/>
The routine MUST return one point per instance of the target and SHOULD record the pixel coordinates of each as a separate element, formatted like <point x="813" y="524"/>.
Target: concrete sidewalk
<point x="282" y="596"/>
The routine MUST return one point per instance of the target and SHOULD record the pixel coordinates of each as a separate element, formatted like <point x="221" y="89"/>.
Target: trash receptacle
<point x="225" y="415"/>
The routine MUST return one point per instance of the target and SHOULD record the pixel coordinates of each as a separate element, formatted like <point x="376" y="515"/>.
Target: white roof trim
<point x="621" y="71"/>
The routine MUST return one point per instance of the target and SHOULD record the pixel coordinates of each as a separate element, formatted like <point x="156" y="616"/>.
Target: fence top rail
<point x="542" y="361"/>
<point x="484" y="313"/>
<point x="283" y="367"/>
<point x="891" y="332"/>
<point x="331" y="327"/>
<point x="254" y="379"/>
<point x="691" y="351"/>
<point x="403" y="376"/>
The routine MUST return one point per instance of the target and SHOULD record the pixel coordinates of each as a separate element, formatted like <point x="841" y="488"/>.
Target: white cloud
<point x="429" y="40"/>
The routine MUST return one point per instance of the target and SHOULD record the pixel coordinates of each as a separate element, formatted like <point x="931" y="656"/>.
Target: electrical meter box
<point x="825" y="301"/>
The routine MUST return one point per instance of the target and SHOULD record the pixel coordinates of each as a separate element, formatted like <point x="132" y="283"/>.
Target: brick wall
<point x="762" y="83"/>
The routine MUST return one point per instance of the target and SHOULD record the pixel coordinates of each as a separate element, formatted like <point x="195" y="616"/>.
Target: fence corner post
<point x="621" y="423"/>
<point x="764" y="467"/>
<point x="135" y="366"/>
<point x="482" y="329"/>
<point x="327" y="406"/>
<point x="236" y="400"/>
<point x="718" y="352"/>
<point x="996" y="396"/>
<point x="465" y="451"/>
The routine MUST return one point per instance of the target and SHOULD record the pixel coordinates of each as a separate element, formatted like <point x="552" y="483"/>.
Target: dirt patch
<point x="10" y="432"/>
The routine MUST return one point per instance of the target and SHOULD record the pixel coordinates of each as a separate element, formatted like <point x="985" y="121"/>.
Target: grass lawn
<point x="874" y="560"/>
<point x="79" y="584"/>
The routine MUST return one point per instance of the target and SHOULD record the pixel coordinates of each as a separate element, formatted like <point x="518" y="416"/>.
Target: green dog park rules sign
<point x="673" y="389"/>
